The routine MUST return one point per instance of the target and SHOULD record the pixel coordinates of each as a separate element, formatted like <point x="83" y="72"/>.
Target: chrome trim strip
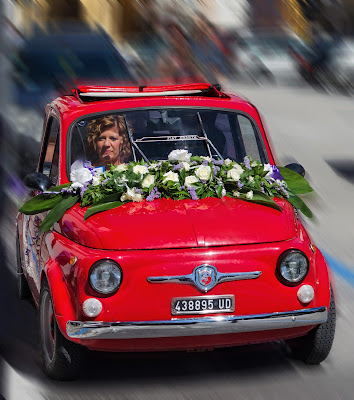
<point x="193" y="279"/>
<point x="178" y="327"/>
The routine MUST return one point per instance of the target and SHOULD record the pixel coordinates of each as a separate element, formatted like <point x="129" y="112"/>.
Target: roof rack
<point x="94" y="93"/>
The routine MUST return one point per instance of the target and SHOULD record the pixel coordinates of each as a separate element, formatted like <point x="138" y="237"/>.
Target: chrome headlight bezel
<point x="95" y="276"/>
<point x="280" y="267"/>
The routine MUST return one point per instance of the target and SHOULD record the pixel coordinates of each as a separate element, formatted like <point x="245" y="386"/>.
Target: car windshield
<point x="154" y="133"/>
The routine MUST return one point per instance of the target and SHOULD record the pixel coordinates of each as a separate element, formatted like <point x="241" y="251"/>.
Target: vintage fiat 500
<point x="157" y="219"/>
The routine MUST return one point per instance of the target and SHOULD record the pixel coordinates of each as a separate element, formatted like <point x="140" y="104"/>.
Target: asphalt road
<point x="315" y="130"/>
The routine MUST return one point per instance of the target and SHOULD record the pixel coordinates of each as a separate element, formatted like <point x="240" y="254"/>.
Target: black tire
<point x="61" y="359"/>
<point x="23" y="290"/>
<point x="314" y="348"/>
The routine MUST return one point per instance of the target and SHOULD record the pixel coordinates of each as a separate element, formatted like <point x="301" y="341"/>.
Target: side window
<point x="50" y="163"/>
<point x="249" y="136"/>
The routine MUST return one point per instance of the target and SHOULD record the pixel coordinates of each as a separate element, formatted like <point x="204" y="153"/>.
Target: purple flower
<point x="239" y="184"/>
<point x="276" y="173"/>
<point x="192" y="193"/>
<point x="218" y="162"/>
<point x="262" y="190"/>
<point x="83" y="189"/>
<point x="150" y="198"/>
<point x="205" y="162"/>
<point x="87" y="164"/>
<point x="138" y="191"/>
<point x="154" y="194"/>
<point x="247" y="162"/>
<point x="216" y="170"/>
<point x="178" y="166"/>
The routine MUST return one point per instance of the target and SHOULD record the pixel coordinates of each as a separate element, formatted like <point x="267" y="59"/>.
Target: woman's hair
<point x="101" y="124"/>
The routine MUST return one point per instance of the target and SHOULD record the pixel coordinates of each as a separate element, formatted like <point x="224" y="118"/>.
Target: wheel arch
<point x="61" y="299"/>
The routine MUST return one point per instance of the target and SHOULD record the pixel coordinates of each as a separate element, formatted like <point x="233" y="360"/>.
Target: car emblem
<point x="205" y="277"/>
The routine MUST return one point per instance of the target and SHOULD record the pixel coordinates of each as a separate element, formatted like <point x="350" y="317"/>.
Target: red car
<point x="170" y="228"/>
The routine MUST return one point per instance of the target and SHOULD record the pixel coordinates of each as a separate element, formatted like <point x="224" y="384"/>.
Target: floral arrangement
<point x="180" y="177"/>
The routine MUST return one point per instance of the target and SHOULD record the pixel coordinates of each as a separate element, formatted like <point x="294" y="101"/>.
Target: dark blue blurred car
<point x="47" y="65"/>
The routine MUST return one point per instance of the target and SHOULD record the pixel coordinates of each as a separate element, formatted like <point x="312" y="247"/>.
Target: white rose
<point x="148" y="181"/>
<point x="190" y="180"/>
<point x="80" y="175"/>
<point x="153" y="166"/>
<point x="235" y="193"/>
<point x="96" y="181"/>
<point x="78" y="164"/>
<point x="121" y="167"/>
<point x="76" y="185"/>
<point x="233" y="174"/>
<point x="203" y="172"/>
<point x="251" y="179"/>
<point x="238" y="168"/>
<point x="171" y="176"/>
<point x="131" y="195"/>
<point x="137" y="197"/>
<point x="249" y="195"/>
<point x="223" y="192"/>
<point x="186" y="166"/>
<point x="254" y="164"/>
<point x="206" y="158"/>
<point x="227" y="162"/>
<point x="179" y="155"/>
<point x="140" y="169"/>
<point x="268" y="167"/>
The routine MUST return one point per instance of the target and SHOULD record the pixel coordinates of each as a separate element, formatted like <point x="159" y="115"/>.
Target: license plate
<point x="203" y="304"/>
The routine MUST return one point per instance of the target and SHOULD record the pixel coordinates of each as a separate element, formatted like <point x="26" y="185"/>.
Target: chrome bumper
<point x="176" y="327"/>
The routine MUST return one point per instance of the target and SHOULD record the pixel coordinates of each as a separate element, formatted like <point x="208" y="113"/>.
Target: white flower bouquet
<point x="180" y="177"/>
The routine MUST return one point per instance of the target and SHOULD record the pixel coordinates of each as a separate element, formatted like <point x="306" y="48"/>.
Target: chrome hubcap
<point x="47" y="327"/>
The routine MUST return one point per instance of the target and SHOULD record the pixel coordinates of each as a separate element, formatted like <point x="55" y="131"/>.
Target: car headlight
<point x="105" y="276"/>
<point x="293" y="266"/>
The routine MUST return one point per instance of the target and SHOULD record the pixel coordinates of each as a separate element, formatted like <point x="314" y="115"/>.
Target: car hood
<point x="165" y="224"/>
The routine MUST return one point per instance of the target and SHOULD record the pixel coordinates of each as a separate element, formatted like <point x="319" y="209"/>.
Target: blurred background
<point x="51" y="45"/>
<point x="294" y="59"/>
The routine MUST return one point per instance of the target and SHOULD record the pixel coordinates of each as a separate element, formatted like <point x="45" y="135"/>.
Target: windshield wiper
<point x="132" y="143"/>
<point x="209" y="142"/>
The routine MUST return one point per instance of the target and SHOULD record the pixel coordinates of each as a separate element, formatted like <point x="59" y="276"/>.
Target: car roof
<point x="86" y="100"/>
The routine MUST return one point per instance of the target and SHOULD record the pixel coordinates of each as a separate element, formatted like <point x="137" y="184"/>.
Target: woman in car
<point x="107" y="141"/>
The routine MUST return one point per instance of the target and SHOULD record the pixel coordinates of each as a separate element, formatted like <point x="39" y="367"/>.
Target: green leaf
<point x="295" y="181"/>
<point x="219" y="191"/>
<point x="40" y="203"/>
<point x="57" y="212"/>
<point x="57" y="188"/>
<point x="108" y="199"/>
<point x="101" y="207"/>
<point x="299" y="204"/>
<point x="263" y="199"/>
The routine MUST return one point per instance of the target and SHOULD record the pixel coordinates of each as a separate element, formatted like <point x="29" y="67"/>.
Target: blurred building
<point x="116" y="17"/>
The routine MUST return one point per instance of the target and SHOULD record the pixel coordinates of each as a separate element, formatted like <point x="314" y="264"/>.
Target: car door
<point x="49" y="166"/>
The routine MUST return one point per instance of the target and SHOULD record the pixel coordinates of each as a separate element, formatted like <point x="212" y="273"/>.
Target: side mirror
<point x="37" y="181"/>
<point x="297" y="168"/>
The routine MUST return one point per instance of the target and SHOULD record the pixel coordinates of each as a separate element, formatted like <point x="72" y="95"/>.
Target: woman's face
<point x="109" y="145"/>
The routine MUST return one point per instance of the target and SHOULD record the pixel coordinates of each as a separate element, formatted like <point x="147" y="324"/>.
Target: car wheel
<point x="314" y="348"/>
<point x="23" y="290"/>
<point x="61" y="358"/>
